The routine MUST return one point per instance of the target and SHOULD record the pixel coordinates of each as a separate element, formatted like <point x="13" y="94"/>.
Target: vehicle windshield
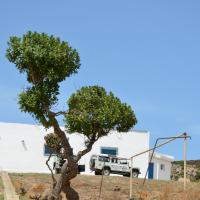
<point x="104" y="159"/>
<point x="114" y="160"/>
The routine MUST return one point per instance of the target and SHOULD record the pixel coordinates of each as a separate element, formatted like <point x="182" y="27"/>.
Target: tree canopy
<point x="46" y="61"/>
<point x="93" y="112"/>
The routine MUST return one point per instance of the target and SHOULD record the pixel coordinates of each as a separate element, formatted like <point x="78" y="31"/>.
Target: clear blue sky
<point x="146" y="52"/>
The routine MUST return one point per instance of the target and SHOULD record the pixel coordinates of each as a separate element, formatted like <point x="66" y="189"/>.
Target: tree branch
<point x="52" y="175"/>
<point x="87" y="149"/>
<point x="61" y="113"/>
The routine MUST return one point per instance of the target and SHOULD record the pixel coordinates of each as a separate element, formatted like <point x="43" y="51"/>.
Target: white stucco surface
<point x="159" y="172"/>
<point x="128" y="144"/>
<point x="22" y="149"/>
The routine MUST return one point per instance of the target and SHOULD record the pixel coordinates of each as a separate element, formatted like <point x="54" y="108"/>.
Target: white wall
<point x="18" y="157"/>
<point x="158" y="173"/>
<point x="28" y="156"/>
<point x="128" y="144"/>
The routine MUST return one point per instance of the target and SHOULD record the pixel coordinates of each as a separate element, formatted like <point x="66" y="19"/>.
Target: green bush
<point x="198" y="175"/>
<point x="179" y="162"/>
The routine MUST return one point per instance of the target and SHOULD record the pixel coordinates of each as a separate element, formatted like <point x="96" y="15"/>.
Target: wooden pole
<point x="131" y="179"/>
<point x="185" y="158"/>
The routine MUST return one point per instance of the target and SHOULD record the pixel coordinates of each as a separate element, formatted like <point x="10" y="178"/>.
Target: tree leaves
<point x="46" y="61"/>
<point x="93" y="111"/>
<point x="43" y="57"/>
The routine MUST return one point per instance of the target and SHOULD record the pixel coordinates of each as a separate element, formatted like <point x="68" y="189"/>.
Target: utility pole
<point x="185" y="158"/>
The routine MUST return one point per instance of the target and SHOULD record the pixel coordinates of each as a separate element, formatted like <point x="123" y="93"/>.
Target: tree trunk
<point x="69" y="169"/>
<point x="63" y="189"/>
<point x="67" y="192"/>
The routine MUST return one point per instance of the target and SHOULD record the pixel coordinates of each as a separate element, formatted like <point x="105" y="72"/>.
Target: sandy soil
<point x="1" y="189"/>
<point x="113" y="187"/>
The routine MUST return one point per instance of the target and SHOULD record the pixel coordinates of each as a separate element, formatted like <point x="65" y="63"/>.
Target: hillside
<point x="193" y="170"/>
<point x="113" y="188"/>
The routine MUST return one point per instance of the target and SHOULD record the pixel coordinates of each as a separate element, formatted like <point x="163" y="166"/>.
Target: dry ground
<point x="1" y="189"/>
<point x="113" y="187"/>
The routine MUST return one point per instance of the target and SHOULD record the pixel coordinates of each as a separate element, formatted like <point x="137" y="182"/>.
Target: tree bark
<point x="69" y="169"/>
<point x="67" y="192"/>
<point x="63" y="188"/>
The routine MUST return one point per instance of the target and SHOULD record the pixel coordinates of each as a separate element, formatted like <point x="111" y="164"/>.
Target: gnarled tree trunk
<point x="63" y="189"/>
<point x="67" y="192"/>
<point x="69" y="169"/>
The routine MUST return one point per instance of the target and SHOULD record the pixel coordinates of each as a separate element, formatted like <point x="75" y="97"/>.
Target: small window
<point x="123" y="162"/>
<point x="162" y="167"/>
<point x="48" y="151"/>
<point x="109" y="150"/>
<point x="81" y="168"/>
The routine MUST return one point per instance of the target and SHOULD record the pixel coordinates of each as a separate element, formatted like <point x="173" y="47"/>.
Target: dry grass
<point x="113" y="188"/>
<point x="1" y="189"/>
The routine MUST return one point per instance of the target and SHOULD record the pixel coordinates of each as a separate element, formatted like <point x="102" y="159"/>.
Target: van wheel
<point x="135" y="174"/>
<point x="106" y="172"/>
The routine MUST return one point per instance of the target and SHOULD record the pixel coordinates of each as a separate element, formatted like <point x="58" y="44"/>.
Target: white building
<point x="22" y="149"/>
<point x="160" y="167"/>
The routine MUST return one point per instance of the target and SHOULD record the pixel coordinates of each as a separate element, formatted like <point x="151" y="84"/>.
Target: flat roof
<point x="163" y="156"/>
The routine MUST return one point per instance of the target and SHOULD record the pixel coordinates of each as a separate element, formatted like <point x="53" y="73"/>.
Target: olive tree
<point x="92" y="112"/>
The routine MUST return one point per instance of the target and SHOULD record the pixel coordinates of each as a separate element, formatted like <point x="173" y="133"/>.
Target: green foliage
<point x="93" y="112"/>
<point x="179" y="162"/>
<point x="46" y="61"/>
<point x="42" y="57"/>
<point x="198" y="175"/>
<point x="53" y="142"/>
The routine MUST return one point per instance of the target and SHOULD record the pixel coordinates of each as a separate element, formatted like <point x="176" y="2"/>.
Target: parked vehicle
<point x="59" y="163"/>
<point x="108" y="164"/>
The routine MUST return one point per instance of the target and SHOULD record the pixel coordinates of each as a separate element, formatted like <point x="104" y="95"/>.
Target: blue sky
<point x="146" y="52"/>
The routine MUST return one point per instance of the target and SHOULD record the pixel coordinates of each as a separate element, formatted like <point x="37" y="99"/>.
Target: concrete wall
<point x="22" y="147"/>
<point x="128" y="144"/>
<point x="165" y="173"/>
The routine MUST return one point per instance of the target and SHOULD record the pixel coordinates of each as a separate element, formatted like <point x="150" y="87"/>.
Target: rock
<point x="34" y="196"/>
<point x="117" y="188"/>
<point x="46" y="194"/>
<point x="182" y="180"/>
<point x="36" y="191"/>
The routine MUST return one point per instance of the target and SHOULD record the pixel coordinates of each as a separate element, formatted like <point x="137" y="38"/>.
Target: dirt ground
<point x="1" y="189"/>
<point x="113" y="188"/>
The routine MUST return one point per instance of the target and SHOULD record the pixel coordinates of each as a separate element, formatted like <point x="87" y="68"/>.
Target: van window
<point x="123" y="162"/>
<point x="104" y="159"/>
<point x="114" y="160"/>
